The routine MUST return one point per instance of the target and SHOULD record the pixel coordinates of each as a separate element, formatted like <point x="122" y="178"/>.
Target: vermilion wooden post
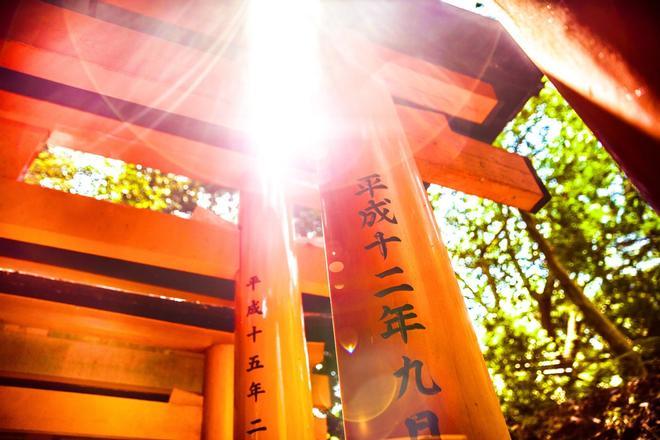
<point x="218" y="415"/>
<point x="409" y="361"/>
<point x="273" y="390"/>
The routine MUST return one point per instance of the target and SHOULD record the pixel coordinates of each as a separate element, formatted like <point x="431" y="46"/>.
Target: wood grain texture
<point x="66" y="413"/>
<point x="87" y="361"/>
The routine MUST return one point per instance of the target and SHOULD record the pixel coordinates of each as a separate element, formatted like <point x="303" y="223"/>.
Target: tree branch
<point x="619" y="344"/>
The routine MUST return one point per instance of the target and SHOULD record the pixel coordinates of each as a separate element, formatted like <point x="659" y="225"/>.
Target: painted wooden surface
<point x="36" y="313"/>
<point x="474" y="167"/>
<point x="408" y="360"/>
<point x="85" y="277"/>
<point x="273" y="395"/>
<point x="75" y="50"/>
<point x="58" y="219"/>
<point x="66" y="413"/>
<point x="218" y="421"/>
<point x="78" y="359"/>
<point x="212" y="74"/>
<point x="53" y="218"/>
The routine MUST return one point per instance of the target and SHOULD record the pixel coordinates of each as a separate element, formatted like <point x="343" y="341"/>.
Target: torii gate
<point x="390" y="278"/>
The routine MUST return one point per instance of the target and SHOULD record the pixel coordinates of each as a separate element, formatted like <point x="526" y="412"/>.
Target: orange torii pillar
<point x="409" y="362"/>
<point x="218" y="414"/>
<point x="273" y="390"/>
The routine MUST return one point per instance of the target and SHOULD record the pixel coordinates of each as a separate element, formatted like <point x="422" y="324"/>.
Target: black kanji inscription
<point x="404" y="374"/>
<point x="254" y="363"/>
<point x="253" y="281"/>
<point x="376" y="213"/>
<point x="255" y="390"/>
<point x="381" y="242"/>
<point x="425" y="420"/>
<point x="256" y="428"/>
<point x="397" y="321"/>
<point x="253" y="333"/>
<point x="369" y="184"/>
<point x="254" y="308"/>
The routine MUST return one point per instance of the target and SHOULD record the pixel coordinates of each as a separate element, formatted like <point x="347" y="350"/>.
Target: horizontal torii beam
<point x="105" y="364"/>
<point x="30" y="350"/>
<point x="212" y="75"/>
<point x="443" y="156"/>
<point x="83" y="63"/>
<point x="56" y="316"/>
<point x="119" y="47"/>
<point x="52" y="218"/>
<point x="80" y="414"/>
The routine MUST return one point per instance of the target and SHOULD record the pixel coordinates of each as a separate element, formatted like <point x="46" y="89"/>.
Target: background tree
<point x="131" y="184"/>
<point x="560" y="297"/>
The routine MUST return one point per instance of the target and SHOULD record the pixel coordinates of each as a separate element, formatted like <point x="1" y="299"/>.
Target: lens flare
<point x="285" y="119"/>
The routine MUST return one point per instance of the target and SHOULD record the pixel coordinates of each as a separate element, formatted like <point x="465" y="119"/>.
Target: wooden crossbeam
<point x="53" y="218"/>
<point x="67" y="413"/>
<point x="199" y="72"/>
<point x="420" y="82"/>
<point x="166" y="309"/>
<point x="57" y="219"/>
<point x="91" y="274"/>
<point x="110" y="80"/>
<point x="101" y="363"/>
<point x="217" y="21"/>
<point x="436" y="147"/>
<point x="80" y="53"/>
<point x="398" y="70"/>
<point x="414" y="80"/>
<point x="65" y="318"/>
<point x="122" y="49"/>
<point x="90" y="361"/>
<point x="474" y="167"/>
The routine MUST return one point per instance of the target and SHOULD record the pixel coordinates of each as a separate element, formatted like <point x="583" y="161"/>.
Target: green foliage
<point x="131" y="184"/>
<point x="307" y="223"/>
<point x="626" y="412"/>
<point x="537" y="347"/>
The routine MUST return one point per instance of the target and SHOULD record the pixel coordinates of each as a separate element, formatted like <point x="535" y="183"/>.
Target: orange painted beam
<point x="598" y="51"/>
<point x="416" y="80"/>
<point x="53" y="218"/>
<point x="200" y="16"/>
<point x="434" y="88"/>
<point x="91" y="279"/>
<point x="121" y="49"/>
<point x="162" y="94"/>
<point x="189" y="73"/>
<point x="36" y="353"/>
<point x="19" y="143"/>
<point x="65" y="318"/>
<point x="459" y="162"/>
<point x="107" y="364"/>
<point x="490" y="172"/>
<point x="66" y="413"/>
<point x="407" y="77"/>
<point x="218" y="20"/>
